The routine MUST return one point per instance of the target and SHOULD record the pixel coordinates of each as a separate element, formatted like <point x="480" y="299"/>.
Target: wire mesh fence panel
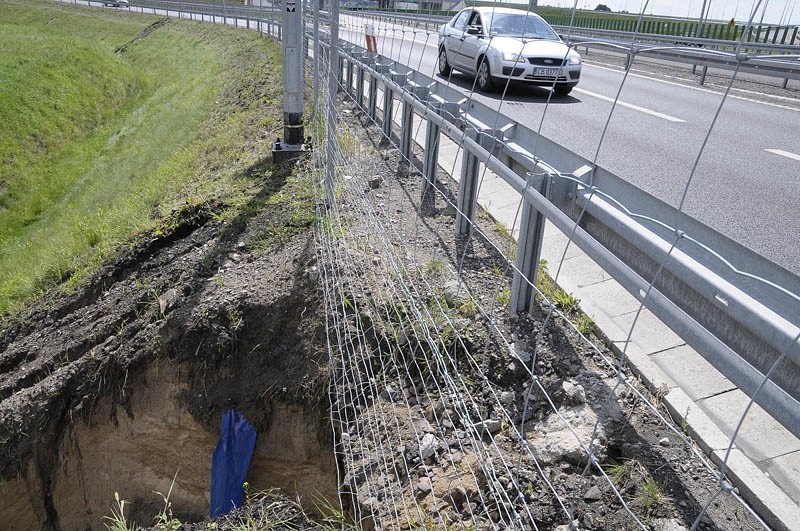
<point x="449" y="410"/>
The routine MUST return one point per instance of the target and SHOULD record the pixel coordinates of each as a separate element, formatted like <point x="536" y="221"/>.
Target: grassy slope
<point x="100" y="130"/>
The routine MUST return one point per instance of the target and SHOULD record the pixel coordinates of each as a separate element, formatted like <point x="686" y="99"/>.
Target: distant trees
<point x="602" y="7"/>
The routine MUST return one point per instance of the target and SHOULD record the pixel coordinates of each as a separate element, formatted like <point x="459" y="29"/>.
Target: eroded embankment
<point x="120" y="387"/>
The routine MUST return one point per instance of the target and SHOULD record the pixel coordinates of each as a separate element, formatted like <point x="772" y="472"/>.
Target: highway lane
<point x="746" y="181"/>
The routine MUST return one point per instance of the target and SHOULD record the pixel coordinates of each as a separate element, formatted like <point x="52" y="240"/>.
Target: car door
<point x="471" y="43"/>
<point x="454" y="37"/>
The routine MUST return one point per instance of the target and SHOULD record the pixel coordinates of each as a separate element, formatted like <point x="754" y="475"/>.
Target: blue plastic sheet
<point x="230" y="463"/>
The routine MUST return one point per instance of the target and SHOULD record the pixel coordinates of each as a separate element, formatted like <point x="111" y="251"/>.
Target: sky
<point x="787" y="11"/>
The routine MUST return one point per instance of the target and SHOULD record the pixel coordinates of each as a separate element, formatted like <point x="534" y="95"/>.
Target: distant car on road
<point x="117" y="3"/>
<point x="499" y="44"/>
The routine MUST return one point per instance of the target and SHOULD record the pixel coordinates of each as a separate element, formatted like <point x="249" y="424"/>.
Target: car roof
<point x="497" y="10"/>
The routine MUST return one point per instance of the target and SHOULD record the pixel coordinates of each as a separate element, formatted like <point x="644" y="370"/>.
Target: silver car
<point x="499" y="44"/>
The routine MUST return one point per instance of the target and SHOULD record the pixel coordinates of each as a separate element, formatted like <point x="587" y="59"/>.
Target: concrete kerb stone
<point x="695" y="421"/>
<point x="778" y="509"/>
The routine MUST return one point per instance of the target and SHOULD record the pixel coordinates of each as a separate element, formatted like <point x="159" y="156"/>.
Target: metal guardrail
<point x="741" y="325"/>
<point x="753" y="57"/>
<point x="779" y="61"/>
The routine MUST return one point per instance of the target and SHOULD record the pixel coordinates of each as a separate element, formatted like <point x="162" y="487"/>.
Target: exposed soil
<point x="120" y="386"/>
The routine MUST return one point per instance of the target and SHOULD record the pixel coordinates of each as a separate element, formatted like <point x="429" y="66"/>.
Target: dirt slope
<point x="121" y="385"/>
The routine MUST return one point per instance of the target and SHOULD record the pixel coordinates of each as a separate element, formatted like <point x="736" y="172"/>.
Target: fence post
<point x="407" y="131"/>
<point x="315" y="81"/>
<point x="467" y="189"/>
<point x="293" y="61"/>
<point x="529" y="248"/>
<point x="333" y="62"/>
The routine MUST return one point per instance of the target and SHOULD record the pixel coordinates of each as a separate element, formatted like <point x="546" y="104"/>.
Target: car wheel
<point x="444" y="66"/>
<point x="562" y="90"/>
<point x="485" y="79"/>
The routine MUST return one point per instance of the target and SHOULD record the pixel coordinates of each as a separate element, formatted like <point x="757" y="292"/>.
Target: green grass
<point x="104" y="128"/>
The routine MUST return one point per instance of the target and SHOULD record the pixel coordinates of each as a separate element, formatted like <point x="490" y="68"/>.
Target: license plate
<point x="547" y="72"/>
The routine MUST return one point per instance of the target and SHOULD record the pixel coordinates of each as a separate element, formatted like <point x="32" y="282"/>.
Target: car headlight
<point x="513" y="57"/>
<point x="573" y="57"/>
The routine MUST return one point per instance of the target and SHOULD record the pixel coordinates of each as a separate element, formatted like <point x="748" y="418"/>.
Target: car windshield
<point x="522" y="25"/>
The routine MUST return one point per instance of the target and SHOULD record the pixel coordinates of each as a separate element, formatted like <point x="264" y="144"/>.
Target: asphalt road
<point x="746" y="181"/>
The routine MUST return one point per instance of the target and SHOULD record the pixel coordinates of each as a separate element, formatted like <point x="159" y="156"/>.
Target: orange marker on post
<point x="372" y="40"/>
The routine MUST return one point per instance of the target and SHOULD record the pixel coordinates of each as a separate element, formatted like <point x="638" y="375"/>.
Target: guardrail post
<point x="467" y="189"/>
<point x="350" y="65"/>
<point x="431" y="156"/>
<point x="407" y="131"/>
<point x="339" y="72"/>
<point x="388" y="111"/>
<point x="529" y="249"/>
<point x="373" y="97"/>
<point x="406" y="121"/>
<point x="360" y="86"/>
<point x="703" y="75"/>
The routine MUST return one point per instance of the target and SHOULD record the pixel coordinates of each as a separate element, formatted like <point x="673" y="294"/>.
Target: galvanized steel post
<point x="315" y="81"/>
<point x="431" y="156"/>
<point x="531" y="235"/>
<point x="388" y="111"/>
<point x="467" y="189"/>
<point x="333" y="84"/>
<point x="292" y="82"/>
<point x="360" y="86"/>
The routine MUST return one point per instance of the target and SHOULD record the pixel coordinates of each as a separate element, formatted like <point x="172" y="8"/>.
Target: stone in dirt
<point x="593" y="494"/>
<point x="167" y="300"/>
<point x="427" y="448"/>
<point x="424" y="486"/>
<point x="521" y="350"/>
<point x="553" y="441"/>
<point x="490" y="425"/>
<point x="507" y="398"/>
<point x="455" y="293"/>
<point x="574" y="394"/>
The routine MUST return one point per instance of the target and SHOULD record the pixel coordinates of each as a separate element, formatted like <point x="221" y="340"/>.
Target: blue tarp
<point x="230" y="463"/>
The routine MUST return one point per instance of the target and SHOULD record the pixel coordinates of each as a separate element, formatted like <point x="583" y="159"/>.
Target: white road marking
<point x="631" y="106"/>
<point x="783" y="153"/>
<point x="701" y="89"/>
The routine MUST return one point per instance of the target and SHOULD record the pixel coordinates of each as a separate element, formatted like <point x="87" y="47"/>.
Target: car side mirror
<point x="473" y="30"/>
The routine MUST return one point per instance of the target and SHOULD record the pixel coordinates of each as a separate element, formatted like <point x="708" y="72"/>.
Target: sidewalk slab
<point x="699" y="379"/>
<point x="761" y="436"/>
<point x="785" y="469"/>
<point x="648" y="331"/>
